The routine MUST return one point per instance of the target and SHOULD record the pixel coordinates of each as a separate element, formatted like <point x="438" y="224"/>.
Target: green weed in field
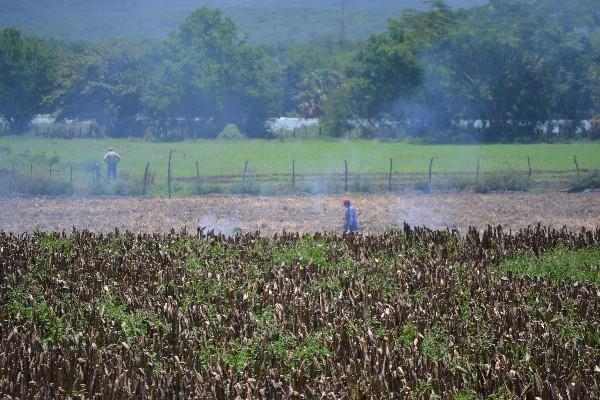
<point x="559" y="265"/>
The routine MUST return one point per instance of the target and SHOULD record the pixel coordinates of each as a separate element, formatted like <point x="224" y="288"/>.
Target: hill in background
<point x="265" y="21"/>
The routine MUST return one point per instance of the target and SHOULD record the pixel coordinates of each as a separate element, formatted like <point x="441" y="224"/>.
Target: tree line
<point x="503" y="72"/>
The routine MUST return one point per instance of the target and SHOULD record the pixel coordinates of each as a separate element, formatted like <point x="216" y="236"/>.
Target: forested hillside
<point x="506" y="72"/>
<point x="264" y="21"/>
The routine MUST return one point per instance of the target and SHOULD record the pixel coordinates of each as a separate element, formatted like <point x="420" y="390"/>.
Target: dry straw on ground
<point x="300" y="214"/>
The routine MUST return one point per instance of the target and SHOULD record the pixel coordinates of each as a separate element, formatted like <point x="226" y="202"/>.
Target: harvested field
<point x="300" y="214"/>
<point x="415" y="314"/>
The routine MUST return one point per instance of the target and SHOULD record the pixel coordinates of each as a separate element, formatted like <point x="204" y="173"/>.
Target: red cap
<point x="346" y="202"/>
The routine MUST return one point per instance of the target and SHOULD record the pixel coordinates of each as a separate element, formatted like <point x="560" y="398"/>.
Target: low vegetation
<point x="561" y="265"/>
<point x="318" y="164"/>
<point x="33" y="185"/>
<point x="410" y="314"/>
<point x="503" y="181"/>
<point x="589" y="181"/>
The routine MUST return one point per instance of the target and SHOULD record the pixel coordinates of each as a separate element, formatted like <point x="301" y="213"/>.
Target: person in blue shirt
<point x="350" y="219"/>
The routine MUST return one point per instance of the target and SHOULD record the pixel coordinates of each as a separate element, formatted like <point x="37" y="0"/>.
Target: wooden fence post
<point x="245" y="171"/>
<point x="346" y="176"/>
<point x="293" y="175"/>
<point x="390" y="177"/>
<point x="430" y="171"/>
<point x="197" y="177"/>
<point x="169" y="174"/>
<point x="145" y="181"/>
<point x="477" y="175"/>
<point x="530" y="167"/>
<point x="576" y="165"/>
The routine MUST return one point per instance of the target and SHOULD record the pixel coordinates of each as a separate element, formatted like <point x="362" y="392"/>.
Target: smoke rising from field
<point x="212" y="223"/>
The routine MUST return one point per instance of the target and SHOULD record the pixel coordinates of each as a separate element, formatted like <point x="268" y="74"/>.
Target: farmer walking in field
<point x="350" y="219"/>
<point x="112" y="158"/>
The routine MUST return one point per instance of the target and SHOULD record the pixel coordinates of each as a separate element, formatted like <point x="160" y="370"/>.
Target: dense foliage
<point x="415" y="314"/>
<point x="26" y="78"/>
<point x="504" y="72"/>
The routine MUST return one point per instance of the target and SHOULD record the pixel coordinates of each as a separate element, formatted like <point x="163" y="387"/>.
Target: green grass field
<point x="223" y="158"/>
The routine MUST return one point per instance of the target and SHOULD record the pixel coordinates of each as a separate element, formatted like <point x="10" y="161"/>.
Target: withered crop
<point x="410" y="314"/>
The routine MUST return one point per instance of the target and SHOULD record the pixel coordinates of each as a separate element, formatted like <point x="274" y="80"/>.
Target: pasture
<point x="221" y="163"/>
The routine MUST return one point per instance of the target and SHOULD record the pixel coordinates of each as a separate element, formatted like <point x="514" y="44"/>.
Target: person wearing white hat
<point x="112" y="158"/>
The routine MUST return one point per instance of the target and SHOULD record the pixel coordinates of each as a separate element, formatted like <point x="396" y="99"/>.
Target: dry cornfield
<point x="413" y="313"/>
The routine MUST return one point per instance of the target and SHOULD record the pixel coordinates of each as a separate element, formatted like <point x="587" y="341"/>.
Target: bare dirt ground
<point x="301" y="214"/>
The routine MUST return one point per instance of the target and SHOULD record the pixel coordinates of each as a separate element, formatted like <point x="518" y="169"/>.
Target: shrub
<point x="34" y="186"/>
<point x="360" y="185"/>
<point x="586" y="182"/>
<point x="458" y="183"/>
<point x="122" y="187"/>
<point x="231" y="132"/>
<point x="247" y="187"/>
<point x="502" y="182"/>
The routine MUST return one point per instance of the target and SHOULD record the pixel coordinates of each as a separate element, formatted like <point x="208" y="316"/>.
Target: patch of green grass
<point x="132" y="323"/>
<point x="466" y="395"/>
<point x="407" y="336"/>
<point x="52" y="244"/>
<point x="26" y="303"/>
<point x="502" y="181"/>
<point x="558" y="265"/>
<point x="436" y="343"/>
<point x="220" y="158"/>
<point x="308" y="250"/>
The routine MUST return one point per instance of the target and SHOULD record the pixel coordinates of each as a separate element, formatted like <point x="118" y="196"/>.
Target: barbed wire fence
<point x="155" y="179"/>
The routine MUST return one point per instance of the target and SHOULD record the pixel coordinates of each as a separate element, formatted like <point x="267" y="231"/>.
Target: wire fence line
<point x="155" y="178"/>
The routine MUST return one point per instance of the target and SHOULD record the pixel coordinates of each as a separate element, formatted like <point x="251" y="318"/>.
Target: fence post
<point x="390" y="177"/>
<point x="245" y="171"/>
<point x="169" y="174"/>
<point x="50" y="170"/>
<point x="197" y="177"/>
<point x="293" y="175"/>
<point x="430" y="171"/>
<point x="477" y="175"/>
<point x="530" y="167"/>
<point x="71" y="172"/>
<point x="576" y="165"/>
<point x="346" y="176"/>
<point x="145" y="181"/>
<point x="31" y="170"/>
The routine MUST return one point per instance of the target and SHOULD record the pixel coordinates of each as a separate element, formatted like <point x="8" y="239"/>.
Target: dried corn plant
<point x="410" y="314"/>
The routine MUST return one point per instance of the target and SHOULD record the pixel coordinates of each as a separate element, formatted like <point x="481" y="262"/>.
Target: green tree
<point x="105" y="83"/>
<point x="27" y="77"/>
<point x="213" y="76"/>
<point x="316" y="90"/>
<point x="386" y="75"/>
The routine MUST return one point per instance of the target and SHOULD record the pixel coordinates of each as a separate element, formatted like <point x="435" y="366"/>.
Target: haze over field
<point x="265" y="21"/>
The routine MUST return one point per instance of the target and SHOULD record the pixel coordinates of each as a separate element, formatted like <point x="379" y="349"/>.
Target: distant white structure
<point x="289" y="124"/>
<point x="43" y="119"/>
